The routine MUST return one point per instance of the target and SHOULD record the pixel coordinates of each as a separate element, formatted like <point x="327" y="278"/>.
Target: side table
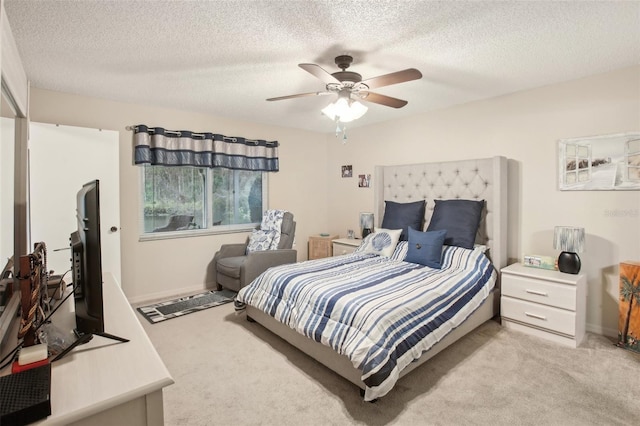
<point x="544" y="303"/>
<point x="320" y="246"/>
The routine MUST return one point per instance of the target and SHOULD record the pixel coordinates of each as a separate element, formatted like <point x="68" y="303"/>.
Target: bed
<point x="339" y="333"/>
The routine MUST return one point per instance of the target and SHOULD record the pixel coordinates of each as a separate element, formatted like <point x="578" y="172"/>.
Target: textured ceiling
<point x="226" y="57"/>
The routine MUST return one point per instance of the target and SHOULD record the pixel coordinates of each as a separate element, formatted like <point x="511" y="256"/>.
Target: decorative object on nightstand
<point x="570" y="240"/>
<point x="544" y="303"/>
<point x="366" y="223"/>
<point x="629" y="304"/>
<point x="345" y="246"/>
<point x="539" y="261"/>
<point x="320" y="246"/>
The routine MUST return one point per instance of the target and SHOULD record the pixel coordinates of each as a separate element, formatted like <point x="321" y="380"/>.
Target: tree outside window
<point x="184" y="198"/>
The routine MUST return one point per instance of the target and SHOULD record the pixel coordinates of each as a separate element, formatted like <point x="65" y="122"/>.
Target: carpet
<point x="491" y="377"/>
<point x="162" y="311"/>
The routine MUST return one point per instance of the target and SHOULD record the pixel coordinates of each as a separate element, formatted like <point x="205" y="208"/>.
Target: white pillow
<point x="260" y="240"/>
<point x="381" y="242"/>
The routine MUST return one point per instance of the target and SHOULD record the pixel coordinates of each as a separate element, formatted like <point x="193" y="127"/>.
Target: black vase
<point x="366" y="231"/>
<point x="569" y="262"/>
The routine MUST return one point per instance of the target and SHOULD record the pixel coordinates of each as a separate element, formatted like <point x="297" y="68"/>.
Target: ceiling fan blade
<point x="317" y="71"/>
<point x="299" y="95"/>
<point x="393" y="78"/>
<point x="377" y="98"/>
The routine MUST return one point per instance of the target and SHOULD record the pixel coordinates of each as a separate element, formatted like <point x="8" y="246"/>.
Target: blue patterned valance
<point x="157" y="146"/>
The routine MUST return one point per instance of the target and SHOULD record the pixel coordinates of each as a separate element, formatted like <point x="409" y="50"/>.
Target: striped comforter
<point x="380" y="312"/>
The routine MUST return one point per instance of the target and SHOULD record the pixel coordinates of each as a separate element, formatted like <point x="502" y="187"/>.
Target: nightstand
<point x="345" y="246"/>
<point x="544" y="303"/>
<point x="320" y="246"/>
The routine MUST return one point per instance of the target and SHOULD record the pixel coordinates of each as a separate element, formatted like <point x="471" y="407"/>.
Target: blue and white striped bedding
<point x="382" y="313"/>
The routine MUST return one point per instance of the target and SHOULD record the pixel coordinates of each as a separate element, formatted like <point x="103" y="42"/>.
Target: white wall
<point x="153" y="269"/>
<point x="524" y="127"/>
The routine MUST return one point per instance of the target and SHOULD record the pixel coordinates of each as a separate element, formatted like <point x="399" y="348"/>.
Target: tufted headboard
<point x="481" y="179"/>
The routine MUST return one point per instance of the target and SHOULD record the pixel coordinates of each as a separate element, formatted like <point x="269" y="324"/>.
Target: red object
<point x="16" y="368"/>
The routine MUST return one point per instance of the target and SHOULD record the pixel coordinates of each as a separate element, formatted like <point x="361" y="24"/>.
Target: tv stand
<point x="84" y="338"/>
<point x="108" y="384"/>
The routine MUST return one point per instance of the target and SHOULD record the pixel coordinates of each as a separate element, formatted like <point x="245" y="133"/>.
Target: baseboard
<point x="167" y="294"/>
<point x="605" y="331"/>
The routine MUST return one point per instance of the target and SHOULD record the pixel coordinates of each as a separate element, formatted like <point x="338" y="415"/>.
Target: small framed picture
<point x="364" y="181"/>
<point x="347" y="171"/>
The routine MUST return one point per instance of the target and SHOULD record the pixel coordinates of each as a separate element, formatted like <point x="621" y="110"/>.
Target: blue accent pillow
<point x="425" y="248"/>
<point x="461" y="219"/>
<point x="402" y="216"/>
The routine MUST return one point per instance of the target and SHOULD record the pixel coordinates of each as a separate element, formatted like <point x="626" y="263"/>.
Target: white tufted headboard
<point x="482" y="179"/>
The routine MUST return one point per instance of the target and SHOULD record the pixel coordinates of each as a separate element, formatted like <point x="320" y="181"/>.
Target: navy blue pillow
<point x="425" y="248"/>
<point x="402" y="216"/>
<point x="461" y="219"/>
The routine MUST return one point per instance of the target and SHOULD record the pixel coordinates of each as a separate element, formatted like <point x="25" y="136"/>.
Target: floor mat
<point x="185" y="305"/>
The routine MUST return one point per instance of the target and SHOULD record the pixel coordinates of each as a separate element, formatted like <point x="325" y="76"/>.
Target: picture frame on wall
<point x="600" y="163"/>
<point x="629" y="317"/>
<point x="347" y="171"/>
<point x="364" y="181"/>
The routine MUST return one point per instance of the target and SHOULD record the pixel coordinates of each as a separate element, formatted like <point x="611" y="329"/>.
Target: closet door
<point x="61" y="160"/>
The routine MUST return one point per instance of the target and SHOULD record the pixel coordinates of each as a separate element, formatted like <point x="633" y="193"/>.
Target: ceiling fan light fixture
<point x="344" y="110"/>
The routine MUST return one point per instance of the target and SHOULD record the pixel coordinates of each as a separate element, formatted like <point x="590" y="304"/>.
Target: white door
<point x="61" y="160"/>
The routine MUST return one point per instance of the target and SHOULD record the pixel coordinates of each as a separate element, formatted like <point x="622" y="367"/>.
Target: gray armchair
<point x="234" y="269"/>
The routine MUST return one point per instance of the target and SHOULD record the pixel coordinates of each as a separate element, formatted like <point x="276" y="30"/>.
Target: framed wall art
<point x="629" y="318"/>
<point x="610" y="162"/>
<point x="364" y="181"/>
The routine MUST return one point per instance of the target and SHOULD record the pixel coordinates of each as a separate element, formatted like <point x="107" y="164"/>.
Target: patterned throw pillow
<point x="382" y="242"/>
<point x="272" y="222"/>
<point x="260" y="240"/>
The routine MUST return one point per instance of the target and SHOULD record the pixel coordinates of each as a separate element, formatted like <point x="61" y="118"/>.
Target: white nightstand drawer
<point x="339" y="249"/>
<point x="539" y="291"/>
<point x="542" y="316"/>
<point x="343" y="246"/>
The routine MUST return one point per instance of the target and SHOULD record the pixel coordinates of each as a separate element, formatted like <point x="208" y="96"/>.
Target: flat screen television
<point x="86" y="261"/>
<point x="86" y="266"/>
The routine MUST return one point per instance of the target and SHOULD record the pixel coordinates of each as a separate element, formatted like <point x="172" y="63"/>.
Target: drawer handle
<point x="539" y="293"/>
<point x="529" y="314"/>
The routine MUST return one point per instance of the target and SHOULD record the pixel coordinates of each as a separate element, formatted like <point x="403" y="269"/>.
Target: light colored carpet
<point x="232" y="372"/>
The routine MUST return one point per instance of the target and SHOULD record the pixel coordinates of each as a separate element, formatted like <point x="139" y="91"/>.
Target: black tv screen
<point x="87" y="261"/>
<point x="86" y="264"/>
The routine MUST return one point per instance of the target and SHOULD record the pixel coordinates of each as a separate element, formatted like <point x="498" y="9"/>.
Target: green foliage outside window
<point x="178" y="197"/>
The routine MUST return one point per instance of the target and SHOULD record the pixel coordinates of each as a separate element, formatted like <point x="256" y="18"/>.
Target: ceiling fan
<point x="347" y="83"/>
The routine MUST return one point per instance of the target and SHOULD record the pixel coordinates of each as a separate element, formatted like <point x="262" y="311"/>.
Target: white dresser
<point x="345" y="246"/>
<point x="105" y="383"/>
<point x="544" y="303"/>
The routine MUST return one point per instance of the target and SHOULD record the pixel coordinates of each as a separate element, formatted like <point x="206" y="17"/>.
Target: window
<point x="184" y="198"/>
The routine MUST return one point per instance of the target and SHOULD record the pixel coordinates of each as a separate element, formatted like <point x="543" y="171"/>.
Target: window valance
<point x="158" y="146"/>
